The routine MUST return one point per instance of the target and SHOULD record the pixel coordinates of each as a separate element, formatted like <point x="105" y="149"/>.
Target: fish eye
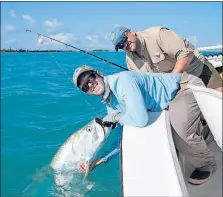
<point x="89" y="129"/>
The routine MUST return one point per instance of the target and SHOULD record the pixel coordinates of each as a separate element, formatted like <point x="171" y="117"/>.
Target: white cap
<point x="79" y="71"/>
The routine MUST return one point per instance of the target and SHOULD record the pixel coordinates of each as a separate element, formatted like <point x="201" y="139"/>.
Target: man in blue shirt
<point x="130" y="95"/>
<point x="123" y="91"/>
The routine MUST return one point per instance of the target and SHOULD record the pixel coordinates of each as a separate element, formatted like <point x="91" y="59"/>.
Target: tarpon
<point x="81" y="147"/>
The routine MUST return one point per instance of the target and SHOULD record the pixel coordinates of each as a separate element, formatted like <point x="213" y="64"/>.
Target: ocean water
<point x="40" y="109"/>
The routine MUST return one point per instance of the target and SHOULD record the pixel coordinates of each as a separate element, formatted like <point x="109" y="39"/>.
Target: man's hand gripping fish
<point x="82" y="146"/>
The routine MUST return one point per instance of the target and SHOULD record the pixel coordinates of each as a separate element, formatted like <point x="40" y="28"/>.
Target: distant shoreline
<point x="23" y="51"/>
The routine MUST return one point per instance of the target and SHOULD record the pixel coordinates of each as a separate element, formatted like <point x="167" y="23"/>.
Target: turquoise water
<point x="40" y="109"/>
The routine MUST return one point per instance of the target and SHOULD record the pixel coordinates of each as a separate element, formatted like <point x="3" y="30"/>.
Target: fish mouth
<point x="106" y="128"/>
<point x="107" y="131"/>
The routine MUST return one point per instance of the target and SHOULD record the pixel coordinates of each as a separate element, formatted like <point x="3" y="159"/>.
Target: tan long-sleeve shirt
<point x="159" y="50"/>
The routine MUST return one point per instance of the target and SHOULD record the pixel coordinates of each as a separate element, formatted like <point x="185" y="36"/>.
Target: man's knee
<point x="185" y="115"/>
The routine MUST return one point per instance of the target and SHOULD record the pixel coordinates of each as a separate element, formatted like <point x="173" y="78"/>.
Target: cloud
<point x="193" y="40"/>
<point x="66" y="38"/>
<point x="93" y="38"/>
<point x="96" y="42"/>
<point x="12" y="13"/>
<point x="9" y="28"/>
<point x="52" y="25"/>
<point x="28" y="18"/>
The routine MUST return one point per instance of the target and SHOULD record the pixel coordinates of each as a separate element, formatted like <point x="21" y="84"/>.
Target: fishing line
<point x="41" y="41"/>
<point x="72" y="81"/>
<point x="58" y="64"/>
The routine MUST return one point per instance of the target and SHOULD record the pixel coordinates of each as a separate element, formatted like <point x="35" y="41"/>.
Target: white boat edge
<point x="210" y="103"/>
<point x="160" y="167"/>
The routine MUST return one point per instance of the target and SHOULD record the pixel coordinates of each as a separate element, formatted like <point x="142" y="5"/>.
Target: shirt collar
<point x="105" y="98"/>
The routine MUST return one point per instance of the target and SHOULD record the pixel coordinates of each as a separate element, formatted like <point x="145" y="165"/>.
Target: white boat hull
<point x="210" y="103"/>
<point x="149" y="162"/>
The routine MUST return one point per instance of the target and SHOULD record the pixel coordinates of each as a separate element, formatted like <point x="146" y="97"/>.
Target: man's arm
<point x="182" y="64"/>
<point x="132" y="96"/>
<point x="111" y="113"/>
<point x="110" y="155"/>
<point x="174" y="46"/>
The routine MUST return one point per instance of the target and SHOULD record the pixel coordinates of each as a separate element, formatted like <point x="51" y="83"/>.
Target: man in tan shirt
<point x="159" y="49"/>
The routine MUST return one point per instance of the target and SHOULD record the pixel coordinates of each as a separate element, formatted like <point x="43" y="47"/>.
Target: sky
<point x="87" y="25"/>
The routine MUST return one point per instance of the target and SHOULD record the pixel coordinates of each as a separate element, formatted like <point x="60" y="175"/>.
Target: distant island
<point x="27" y="50"/>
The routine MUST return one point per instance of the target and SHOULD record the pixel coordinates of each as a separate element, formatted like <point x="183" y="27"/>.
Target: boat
<point x="150" y="165"/>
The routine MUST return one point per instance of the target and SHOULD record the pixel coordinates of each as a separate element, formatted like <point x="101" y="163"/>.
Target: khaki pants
<point x="185" y="115"/>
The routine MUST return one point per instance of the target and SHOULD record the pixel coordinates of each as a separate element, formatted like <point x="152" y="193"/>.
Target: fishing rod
<point x="84" y="51"/>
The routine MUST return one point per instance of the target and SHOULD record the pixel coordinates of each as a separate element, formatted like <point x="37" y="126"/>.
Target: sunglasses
<point x="121" y="44"/>
<point x="91" y="78"/>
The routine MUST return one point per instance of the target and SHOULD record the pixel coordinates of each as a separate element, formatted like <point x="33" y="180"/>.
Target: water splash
<point x="45" y="183"/>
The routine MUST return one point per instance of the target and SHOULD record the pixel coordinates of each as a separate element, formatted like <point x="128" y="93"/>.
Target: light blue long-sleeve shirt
<point x="111" y="155"/>
<point x="136" y="93"/>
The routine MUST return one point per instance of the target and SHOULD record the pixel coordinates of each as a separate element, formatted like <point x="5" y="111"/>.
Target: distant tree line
<point x="27" y="50"/>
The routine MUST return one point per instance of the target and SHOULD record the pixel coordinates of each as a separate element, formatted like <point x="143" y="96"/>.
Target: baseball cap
<point x="117" y="35"/>
<point x="80" y="70"/>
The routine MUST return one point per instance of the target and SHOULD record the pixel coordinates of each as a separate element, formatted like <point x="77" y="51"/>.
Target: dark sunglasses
<point x="91" y="78"/>
<point x="121" y="44"/>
